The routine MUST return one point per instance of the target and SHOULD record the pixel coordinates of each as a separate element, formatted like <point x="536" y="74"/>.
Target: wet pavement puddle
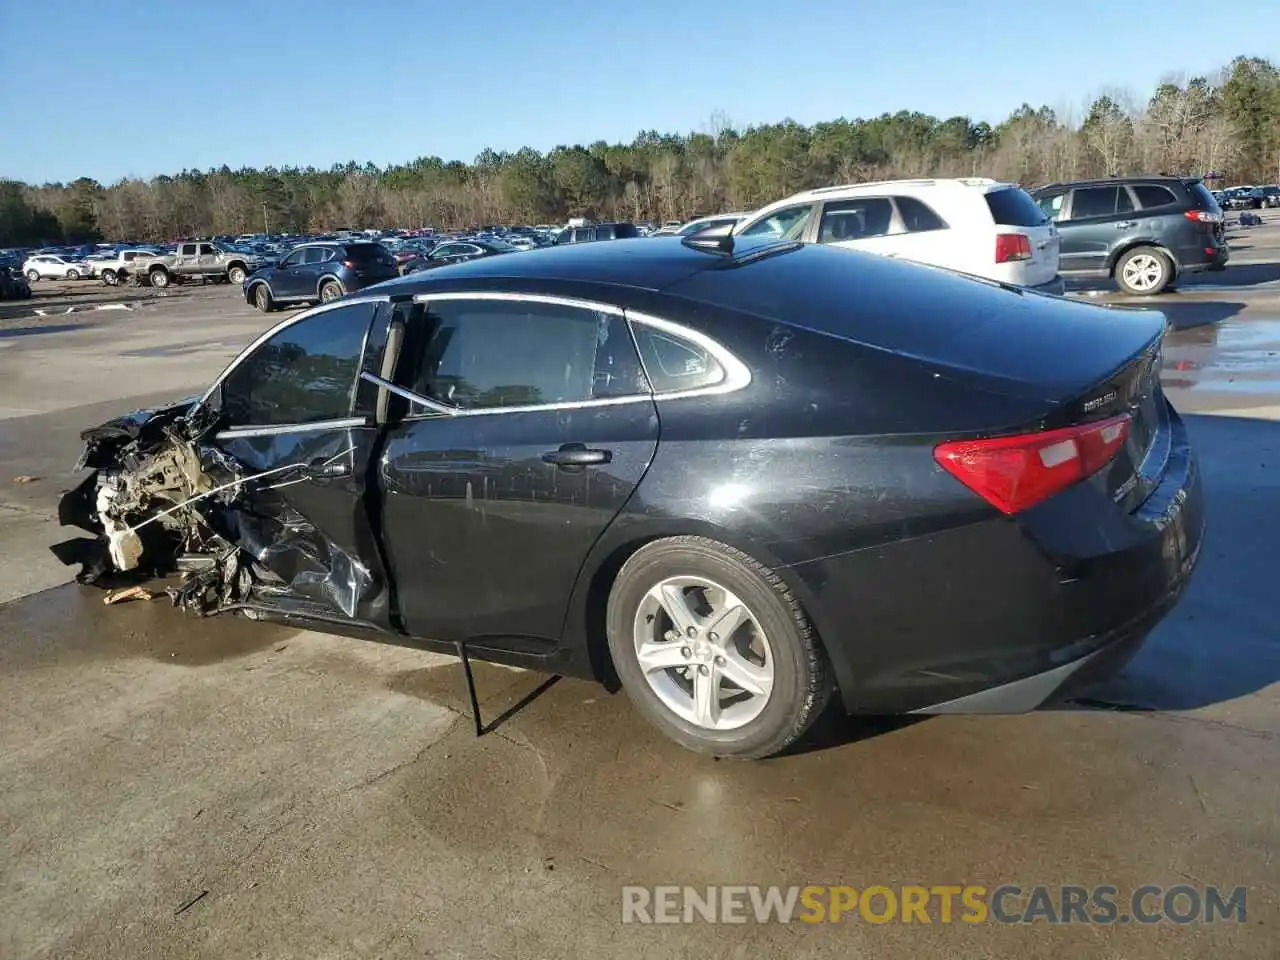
<point x="1235" y="355"/>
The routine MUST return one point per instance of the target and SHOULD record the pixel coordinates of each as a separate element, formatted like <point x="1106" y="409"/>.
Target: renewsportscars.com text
<point x="944" y="903"/>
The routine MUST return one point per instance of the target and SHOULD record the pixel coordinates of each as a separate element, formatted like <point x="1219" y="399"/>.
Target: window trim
<point x="737" y="374"/>
<point x="279" y="429"/>
<point x="897" y="228"/>
<point x="283" y="325"/>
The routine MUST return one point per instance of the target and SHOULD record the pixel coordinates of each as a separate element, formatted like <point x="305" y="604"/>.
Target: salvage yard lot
<point x="221" y="788"/>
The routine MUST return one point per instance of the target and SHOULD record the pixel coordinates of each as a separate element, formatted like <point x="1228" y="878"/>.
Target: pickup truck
<point x="116" y="268"/>
<point x="195" y="260"/>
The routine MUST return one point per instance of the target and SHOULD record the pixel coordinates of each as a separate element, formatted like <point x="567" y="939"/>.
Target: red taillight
<point x="1203" y="216"/>
<point x="1015" y="473"/>
<point x="349" y="264"/>
<point x="1011" y="247"/>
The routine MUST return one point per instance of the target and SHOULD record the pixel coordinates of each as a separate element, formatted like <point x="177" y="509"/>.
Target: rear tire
<point x="32" y="276"/>
<point x="769" y="643"/>
<point x="1144" y="272"/>
<point x="330" y="290"/>
<point x="262" y="298"/>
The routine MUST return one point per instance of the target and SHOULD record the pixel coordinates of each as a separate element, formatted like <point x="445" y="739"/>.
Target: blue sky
<point x="325" y="81"/>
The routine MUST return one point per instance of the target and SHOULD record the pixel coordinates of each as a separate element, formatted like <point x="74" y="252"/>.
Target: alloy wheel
<point x="703" y="653"/>
<point x="1143" y="272"/>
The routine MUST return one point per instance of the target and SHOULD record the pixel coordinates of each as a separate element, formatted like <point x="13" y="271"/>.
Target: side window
<point x="787" y="223"/>
<point x="858" y="219"/>
<point x="206" y="250"/>
<point x="1089" y="202"/>
<point x="1051" y="204"/>
<point x="316" y="255"/>
<point x="187" y="250"/>
<point x="1153" y="195"/>
<point x="295" y="258"/>
<point x="916" y="216"/>
<point x="483" y="354"/>
<point x="674" y="363"/>
<point x="447" y="250"/>
<point x="306" y="372"/>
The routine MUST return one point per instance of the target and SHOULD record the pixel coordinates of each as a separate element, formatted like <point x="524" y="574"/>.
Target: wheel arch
<point x="584" y="630"/>
<point x="1113" y="258"/>
<point x="253" y="286"/>
<point x="328" y="278"/>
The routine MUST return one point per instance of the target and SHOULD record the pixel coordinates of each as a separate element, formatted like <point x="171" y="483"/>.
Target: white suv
<point x="972" y="225"/>
<point x="52" y="266"/>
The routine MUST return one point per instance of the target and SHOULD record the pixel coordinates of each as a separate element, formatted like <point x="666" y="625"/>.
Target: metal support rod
<point x="461" y="647"/>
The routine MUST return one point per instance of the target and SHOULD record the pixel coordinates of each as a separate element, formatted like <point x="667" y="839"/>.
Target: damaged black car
<point x="737" y="479"/>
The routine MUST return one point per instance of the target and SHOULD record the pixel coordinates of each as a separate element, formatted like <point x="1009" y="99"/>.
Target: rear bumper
<point x="1112" y="652"/>
<point x="1196" y="259"/>
<point x="1057" y="286"/>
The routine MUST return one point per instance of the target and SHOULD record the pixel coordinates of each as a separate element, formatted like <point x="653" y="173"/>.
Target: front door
<point x="537" y="427"/>
<point x="289" y="416"/>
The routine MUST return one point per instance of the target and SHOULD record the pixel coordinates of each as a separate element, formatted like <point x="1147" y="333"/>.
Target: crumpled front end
<point x="162" y="503"/>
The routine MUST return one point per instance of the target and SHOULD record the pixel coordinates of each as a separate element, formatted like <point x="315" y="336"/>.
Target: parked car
<point x="115" y="268"/>
<point x="458" y="251"/>
<point x="201" y="260"/>
<point x="720" y="222"/>
<point x="13" y="285"/>
<point x="52" y="266"/>
<point x="1271" y="195"/>
<point x="320" y="272"/>
<point x="739" y="490"/>
<point x="972" y="225"/>
<point x="1142" y="231"/>
<point x="1244" y="198"/>
<point x="598" y="231"/>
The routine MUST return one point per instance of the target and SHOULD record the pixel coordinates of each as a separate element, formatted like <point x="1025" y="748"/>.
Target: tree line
<point x="1228" y="124"/>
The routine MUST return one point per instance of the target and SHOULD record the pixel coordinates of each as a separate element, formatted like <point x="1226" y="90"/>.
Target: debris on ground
<point x="23" y="478"/>
<point x="128" y="593"/>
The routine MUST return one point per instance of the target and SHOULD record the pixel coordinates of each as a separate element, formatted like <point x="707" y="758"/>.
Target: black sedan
<point x="457" y="251"/>
<point x="740" y="480"/>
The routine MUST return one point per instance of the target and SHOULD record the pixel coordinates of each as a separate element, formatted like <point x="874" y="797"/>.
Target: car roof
<point x="982" y="184"/>
<point x="643" y="264"/>
<point x="1111" y="181"/>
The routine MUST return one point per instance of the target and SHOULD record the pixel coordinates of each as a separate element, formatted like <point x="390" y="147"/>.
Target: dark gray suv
<point x="1142" y="231"/>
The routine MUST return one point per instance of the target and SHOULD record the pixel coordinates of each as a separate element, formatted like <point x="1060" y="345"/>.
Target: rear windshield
<point x="366" y="252"/>
<point x="1201" y="198"/>
<point x="1015" y="208"/>
<point x="625" y="231"/>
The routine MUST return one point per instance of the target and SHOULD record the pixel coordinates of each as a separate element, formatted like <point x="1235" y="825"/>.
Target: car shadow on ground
<point x="51" y="328"/>
<point x="1186" y="314"/>
<point x="1235" y="275"/>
